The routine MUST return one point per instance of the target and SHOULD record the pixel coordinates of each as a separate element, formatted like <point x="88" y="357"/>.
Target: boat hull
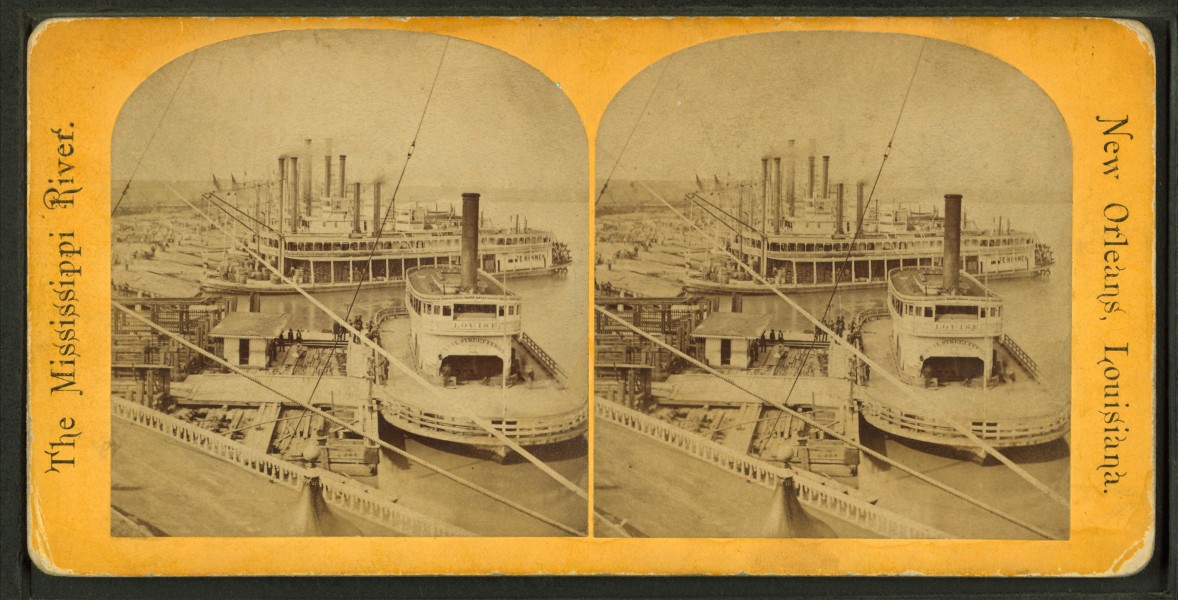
<point x="999" y="432"/>
<point x="531" y="430"/>
<point x="210" y="284"/>
<point x="700" y="285"/>
<point x="1024" y="411"/>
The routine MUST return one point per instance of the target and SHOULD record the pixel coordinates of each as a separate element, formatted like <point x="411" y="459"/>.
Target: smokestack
<point x="791" y="178"/>
<point x="327" y="170"/>
<point x="307" y="193"/>
<point x="838" y="209"/>
<point x="810" y="182"/>
<point x="294" y="194"/>
<point x="470" y="240"/>
<point x="376" y="220"/>
<point x="281" y="194"/>
<point x="356" y="207"/>
<point x="826" y="177"/>
<point x="777" y="195"/>
<point x="764" y="195"/>
<point x="327" y="175"/>
<point x="952" y="261"/>
<point x="342" y="175"/>
<point x="860" y="208"/>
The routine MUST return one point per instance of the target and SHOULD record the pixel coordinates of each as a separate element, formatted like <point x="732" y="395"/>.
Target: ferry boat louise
<point x="797" y="242"/>
<point x="942" y="332"/>
<point x="323" y="242"/>
<point x="464" y="336"/>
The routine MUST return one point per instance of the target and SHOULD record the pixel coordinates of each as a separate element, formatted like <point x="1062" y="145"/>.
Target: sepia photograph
<point x="833" y="294"/>
<point x="349" y="288"/>
<point x="577" y="296"/>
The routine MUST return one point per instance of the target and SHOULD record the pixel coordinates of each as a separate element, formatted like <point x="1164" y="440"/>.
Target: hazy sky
<point x="493" y="121"/>
<point x="972" y="123"/>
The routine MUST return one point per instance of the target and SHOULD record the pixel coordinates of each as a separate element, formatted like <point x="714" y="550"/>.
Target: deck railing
<point x="870" y="314"/>
<point x="1021" y="355"/>
<point x="351" y="496"/>
<point x="546" y="360"/>
<point x="812" y="490"/>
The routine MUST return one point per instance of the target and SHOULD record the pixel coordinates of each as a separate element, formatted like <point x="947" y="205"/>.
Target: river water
<point x="1037" y="311"/>
<point x="555" y="311"/>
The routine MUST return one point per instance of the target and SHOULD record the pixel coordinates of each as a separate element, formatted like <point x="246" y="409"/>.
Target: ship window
<point x="500" y="311"/>
<point x="446" y="310"/>
<point x="460" y="309"/>
<point x="928" y="311"/>
<point x="944" y="310"/>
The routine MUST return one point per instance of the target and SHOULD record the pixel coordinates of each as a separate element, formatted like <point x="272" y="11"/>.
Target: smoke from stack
<point x="952" y="260"/>
<point x="470" y="240"/>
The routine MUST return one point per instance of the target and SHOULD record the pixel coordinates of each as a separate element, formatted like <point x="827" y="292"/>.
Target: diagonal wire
<point x="965" y="431"/>
<point x="641" y="114"/>
<point x="829" y="431"/>
<point x="307" y="406"/>
<point x="408" y="371"/>
<point x="482" y="423"/>
<point x="153" y="132"/>
<point x="384" y="218"/>
<point x="859" y="219"/>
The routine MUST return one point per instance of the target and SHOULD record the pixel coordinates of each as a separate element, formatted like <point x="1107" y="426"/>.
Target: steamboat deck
<point x="536" y="410"/>
<point x="1020" y="412"/>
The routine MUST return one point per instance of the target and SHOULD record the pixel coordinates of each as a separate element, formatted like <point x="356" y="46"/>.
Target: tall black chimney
<point x="825" y="177"/>
<point x="764" y="195"/>
<point x="777" y="194"/>
<point x="308" y="194"/>
<point x="810" y="193"/>
<point x="952" y="261"/>
<point x="294" y="194"/>
<point x="377" y="222"/>
<point x="838" y="209"/>
<point x="860" y="207"/>
<point x="470" y="240"/>
<point x="327" y="176"/>
<point x="791" y="178"/>
<point x="281" y="194"/>
<point x="356" y="207"/>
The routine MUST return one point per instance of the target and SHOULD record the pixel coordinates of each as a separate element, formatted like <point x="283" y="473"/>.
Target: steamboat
<point x="797" y="241"/>
<point x="944" y="335"/>
<point x="464" y="339"/>
<point x="324" y="242"/>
